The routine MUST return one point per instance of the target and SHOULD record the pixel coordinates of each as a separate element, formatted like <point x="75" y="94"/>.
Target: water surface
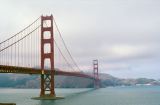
<point x="138" y="95"/>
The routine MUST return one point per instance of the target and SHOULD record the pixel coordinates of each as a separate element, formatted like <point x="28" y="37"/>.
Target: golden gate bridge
<point x="40" y="49"/>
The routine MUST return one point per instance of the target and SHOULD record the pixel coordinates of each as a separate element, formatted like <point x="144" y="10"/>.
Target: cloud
<point x="123" y="35"/>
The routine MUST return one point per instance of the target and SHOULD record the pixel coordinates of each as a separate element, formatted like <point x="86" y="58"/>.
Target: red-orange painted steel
<point x="37" y="71"/>
<point x="45" y="85"/>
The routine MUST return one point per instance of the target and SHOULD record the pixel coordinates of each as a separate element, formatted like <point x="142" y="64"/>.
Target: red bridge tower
<point x="47" y="80"/>
<point x="95" y="73"/>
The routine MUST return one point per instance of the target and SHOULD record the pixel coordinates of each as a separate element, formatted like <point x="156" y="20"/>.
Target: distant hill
<point x="33" y="81"/>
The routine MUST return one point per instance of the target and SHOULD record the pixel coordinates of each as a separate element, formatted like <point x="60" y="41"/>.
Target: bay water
<point x="130" y="95"/>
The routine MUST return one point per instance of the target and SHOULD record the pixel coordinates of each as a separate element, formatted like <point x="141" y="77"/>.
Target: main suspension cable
<point x="65" y="45"/>
<point x="20" y="31"/>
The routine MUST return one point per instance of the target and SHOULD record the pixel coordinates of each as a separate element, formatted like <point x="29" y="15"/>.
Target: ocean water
<point x="138" y="95"/>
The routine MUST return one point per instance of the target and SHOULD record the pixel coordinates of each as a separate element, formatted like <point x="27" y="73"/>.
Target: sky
<point x="122" y="34"/>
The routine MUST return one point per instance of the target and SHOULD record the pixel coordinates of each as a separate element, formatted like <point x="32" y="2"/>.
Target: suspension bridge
<point x="40" y="49"/>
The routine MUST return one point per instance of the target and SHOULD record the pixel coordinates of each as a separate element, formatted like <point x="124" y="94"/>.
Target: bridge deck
<point x="26" y="70"/>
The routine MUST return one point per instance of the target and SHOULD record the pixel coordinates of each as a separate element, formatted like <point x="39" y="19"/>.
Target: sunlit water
<point x="141" y="95"/>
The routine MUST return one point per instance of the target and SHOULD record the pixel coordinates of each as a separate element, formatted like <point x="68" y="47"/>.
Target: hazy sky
<point x="122" y="34"/>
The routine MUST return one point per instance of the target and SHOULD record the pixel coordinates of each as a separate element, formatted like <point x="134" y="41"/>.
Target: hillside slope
<point x="33" y="81"/>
